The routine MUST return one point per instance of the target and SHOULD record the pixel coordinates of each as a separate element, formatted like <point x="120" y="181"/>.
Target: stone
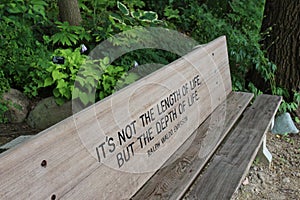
<point x="261" y="176"/>
<point x="246" y="181"/>
<point x="284" y="124"/>
<point x="286" y="180"/>
<point x="47" y="113"/>
<point x="18" y="105"/>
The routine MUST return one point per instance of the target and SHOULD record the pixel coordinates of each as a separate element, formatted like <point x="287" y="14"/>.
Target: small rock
<point x="17" y="106"/>
<point x="246" y="181"/>
<point x="47" y="113"/>
<point x="286" y="180"/>
<point x="261" y="176"/>
<point x="284" y="124"/>
<point x="256" y="190"/>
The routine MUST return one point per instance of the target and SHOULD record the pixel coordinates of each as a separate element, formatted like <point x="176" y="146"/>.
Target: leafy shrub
<point x="68" y="35"/>
<point x="80" y="77"/>
<point x="30" y="30"/>
<point x="4" y="86"/>
<point x="61" y="77"/>
<point x="20" y="48"/>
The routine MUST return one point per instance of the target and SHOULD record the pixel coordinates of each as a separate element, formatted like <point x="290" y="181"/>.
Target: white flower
<point x="83" y="48"/>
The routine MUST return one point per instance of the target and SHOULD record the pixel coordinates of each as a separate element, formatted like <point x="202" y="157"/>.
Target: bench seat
<point x="229" y="164"/>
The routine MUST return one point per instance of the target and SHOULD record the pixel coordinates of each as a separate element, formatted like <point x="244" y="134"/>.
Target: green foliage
<point x="297" y="120"/>
<point x="31" y="28"/>
<point x="109" y="80"/>
<point x="80" y="77"/>
<point x="289" y="106"/>
<point x="254" y="90"/>
<point x="68" y="35"/>
<point x="4" y="86"/>
<point x="31" y="31"/>
<point x="122" y="8"/>
<point x="240" y="21"/>
<point x="98" y="79"/>
<point x="87" y="81"/>
<point x="34" y="10"/>
<point x="106" y="18"/>
<point x="287" y="138"/>
<point x="62" y="76"/>
<point x="37" y="74"/>
<point x="3" y="109"/>
<point x="20" y="48"/>
<point x="127" y="18"/>
<point x="171" y="13"/>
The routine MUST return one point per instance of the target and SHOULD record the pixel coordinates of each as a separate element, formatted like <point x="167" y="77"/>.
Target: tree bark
<point x="282" y="42"/>
<point x="69" y="11"/>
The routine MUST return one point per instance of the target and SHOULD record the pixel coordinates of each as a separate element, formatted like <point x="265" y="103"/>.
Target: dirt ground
<point x="282" y="180"/>
<point x="279" y="182"/>
<point x="9" y="132"/>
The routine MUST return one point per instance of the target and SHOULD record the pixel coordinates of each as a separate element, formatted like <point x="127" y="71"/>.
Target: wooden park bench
<point x="178" y="130"/>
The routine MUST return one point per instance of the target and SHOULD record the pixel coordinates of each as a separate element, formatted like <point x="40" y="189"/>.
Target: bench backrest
<point x="110" y="149"/>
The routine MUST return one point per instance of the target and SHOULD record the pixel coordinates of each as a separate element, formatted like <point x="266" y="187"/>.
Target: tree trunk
<point x="69" y="11"/>
<point x="282" y="43"/>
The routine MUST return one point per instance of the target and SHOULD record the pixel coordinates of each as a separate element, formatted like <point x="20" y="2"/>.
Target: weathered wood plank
<point x="174" y="178"/>
<point x="231" y="163"/>
<point x="68" y="161"/>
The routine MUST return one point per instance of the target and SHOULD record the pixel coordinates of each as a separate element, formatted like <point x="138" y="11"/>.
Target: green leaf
<point x="73" y="38"/>
<point x="61" y="84"/>
<point x="59" y="101"/>
<point x="101" y="95"/>
<point x="65" y="92"/>
<point x="57" y="75"/>
<point x="48" y="81"/>
<point x="105" y="60"/>
<point x="170" y="13"/>
<point x="122" y="8"/>
<point x="136" y="14"/>
<point x="116" y="17"/>
<point x="16" y="8"/>
<point x="56" y="92"/>
<point x="297" y="120"/>
<point x="149" y="16"/>
<point x="39" y="2"/>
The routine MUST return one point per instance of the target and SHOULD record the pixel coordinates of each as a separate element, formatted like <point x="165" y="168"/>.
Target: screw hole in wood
<point x="44" y="163"/>
<point x="53" y="197"/>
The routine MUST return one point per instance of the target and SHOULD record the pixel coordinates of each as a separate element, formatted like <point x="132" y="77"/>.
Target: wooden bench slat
<point x="231" y="163"/>
<point x="174" y="178"/>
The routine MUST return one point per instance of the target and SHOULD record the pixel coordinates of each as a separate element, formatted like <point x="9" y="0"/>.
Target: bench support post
<point x="264" y="154"/>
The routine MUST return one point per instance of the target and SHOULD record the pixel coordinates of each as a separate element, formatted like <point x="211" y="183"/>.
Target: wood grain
<point x="62" y="161"/>
<point x="174" y="178"/>
<point x="230" y="164"/>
